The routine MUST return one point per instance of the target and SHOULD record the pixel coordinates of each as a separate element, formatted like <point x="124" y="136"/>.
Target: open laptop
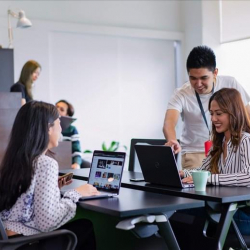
<point x="66" y="122"/>
<point x="159" y="166"/>
<point x="106" y="173"/>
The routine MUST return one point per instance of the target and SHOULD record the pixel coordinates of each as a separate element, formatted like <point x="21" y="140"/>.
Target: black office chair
<point x="14" y="243"/>
<point x="131" y="166"/>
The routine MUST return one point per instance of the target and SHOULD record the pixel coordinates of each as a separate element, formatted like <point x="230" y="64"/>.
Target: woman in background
<point x="30" y="199"/>
<point x="228" y="160"/>
<point x="29" y="74"/>
<point x="71" y="134"/>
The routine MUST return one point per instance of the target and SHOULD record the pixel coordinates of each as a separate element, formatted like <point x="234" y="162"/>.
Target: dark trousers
<point x="82" y="228"/>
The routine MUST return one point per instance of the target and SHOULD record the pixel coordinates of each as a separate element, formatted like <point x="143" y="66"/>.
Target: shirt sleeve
<point x="176" y="101"/>
<point x="242" y="178"/>
<point x="18" y="88"/>
<point x="76" y="148"/>
<point x="51" y="211"/>
<point x="205" y="166"/>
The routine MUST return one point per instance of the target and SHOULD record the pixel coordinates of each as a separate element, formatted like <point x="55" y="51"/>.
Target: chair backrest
<point x="133" y="161"/>
<point x="63" y="154"/>
<point x="10" y="103"/>
<point x="3" y="235"/>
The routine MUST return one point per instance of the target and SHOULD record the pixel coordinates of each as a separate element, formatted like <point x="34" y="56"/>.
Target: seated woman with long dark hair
<point x="30" y="200"/>
<point x="228" y="160"/>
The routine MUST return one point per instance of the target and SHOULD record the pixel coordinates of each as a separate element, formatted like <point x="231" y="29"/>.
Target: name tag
<point x="208" y="144"/>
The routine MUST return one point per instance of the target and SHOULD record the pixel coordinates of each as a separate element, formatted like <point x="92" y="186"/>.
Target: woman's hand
<point x="62" y="182"/>
<point x="87" y="190"/>
<point x="181" y="173"/>
<point x="188" y="180"/>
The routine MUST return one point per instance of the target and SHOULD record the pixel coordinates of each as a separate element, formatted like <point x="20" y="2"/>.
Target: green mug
<point x="200" y="179"/>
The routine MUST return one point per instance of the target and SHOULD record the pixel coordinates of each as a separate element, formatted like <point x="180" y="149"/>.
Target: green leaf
<point x="87" y="151"/>
<point x="114" y="146"/>
<point x="104" y="148"/>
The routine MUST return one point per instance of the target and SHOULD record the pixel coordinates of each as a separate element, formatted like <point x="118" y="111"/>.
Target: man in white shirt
<point x="191" y="102"/>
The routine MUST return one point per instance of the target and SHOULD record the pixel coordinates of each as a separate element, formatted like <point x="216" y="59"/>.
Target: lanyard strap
<point x="201" y="107"/>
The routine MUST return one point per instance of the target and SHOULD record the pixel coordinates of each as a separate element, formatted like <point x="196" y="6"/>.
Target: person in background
<point x="71" y="134"/>
<point x="29" y="74"/>
<point x="228" y="159"/>
<point x="30" y="198"/>
<point x="191" y="102"/>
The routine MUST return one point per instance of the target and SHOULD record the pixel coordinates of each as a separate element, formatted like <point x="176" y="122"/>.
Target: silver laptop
<point x="106" y="173"/>
<point x="158" y="165"/>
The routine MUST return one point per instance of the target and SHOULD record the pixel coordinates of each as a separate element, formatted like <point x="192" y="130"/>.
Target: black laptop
<point x="159" y="166"/>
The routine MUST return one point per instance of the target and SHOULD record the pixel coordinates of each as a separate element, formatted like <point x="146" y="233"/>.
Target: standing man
<point x="191" y="101"/>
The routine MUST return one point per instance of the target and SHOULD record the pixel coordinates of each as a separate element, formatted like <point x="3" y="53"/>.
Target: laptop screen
<point x="106" y="171"/>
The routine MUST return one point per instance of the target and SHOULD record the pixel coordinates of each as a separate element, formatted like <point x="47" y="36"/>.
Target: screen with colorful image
<point x="106" y="170"/>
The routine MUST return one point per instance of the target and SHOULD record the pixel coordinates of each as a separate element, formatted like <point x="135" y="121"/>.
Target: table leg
<point x="167" y="234"/>
<point x="224" y="221"/>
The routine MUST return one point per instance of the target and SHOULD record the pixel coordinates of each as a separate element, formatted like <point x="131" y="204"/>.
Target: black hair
<point x="70" y="109"/>
<point x="201" y="57"/>
<point x="29" y="138"/>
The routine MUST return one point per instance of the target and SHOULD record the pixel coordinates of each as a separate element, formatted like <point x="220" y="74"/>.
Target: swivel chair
<point x="16" y="242"/>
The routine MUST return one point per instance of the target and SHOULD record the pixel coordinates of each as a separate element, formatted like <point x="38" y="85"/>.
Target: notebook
<point x="159" y="166"/>
<point x="106" y="173"/>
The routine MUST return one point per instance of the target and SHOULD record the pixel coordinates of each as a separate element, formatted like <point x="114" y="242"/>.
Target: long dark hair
<point x="29" y="138"/>
<point x="230" y="102"/>
<point x="25" y="76"/>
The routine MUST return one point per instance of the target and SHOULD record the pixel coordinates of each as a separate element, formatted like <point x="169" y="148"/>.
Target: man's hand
<point x="174" y="145"/>
<point x="75" y="166"/>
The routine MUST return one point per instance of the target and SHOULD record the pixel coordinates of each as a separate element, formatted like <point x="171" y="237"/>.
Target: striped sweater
<point x="236" y="170"/>
<point x="71" y="134"/>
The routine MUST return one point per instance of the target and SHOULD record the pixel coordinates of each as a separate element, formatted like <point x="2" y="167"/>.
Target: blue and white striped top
<point x="236" y="170"/>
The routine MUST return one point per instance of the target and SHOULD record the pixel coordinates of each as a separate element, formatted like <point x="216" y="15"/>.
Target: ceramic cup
<point x="200" y="179"/>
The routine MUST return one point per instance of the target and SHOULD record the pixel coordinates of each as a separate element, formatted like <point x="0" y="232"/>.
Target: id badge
<point x="208" y="144"/>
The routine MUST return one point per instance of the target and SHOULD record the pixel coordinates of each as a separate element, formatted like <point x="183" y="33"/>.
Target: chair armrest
<point x="20" y="241"/>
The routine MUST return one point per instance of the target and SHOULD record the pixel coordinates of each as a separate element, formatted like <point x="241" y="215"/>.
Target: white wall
<point x="235" y="20"/>
<point x="128" y="101"/>
<point x="191" y="22"/>
<point x="156" y="15"/>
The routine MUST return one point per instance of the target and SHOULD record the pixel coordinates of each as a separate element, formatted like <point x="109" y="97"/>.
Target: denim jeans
<point x="242" y="220"/>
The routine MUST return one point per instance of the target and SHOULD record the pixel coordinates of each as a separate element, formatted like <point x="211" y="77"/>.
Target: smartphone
<point x="67" y="177"/>
<point x="137" y="179"/>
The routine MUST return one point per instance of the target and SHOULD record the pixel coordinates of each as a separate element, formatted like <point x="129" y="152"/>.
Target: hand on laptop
<point x="188" y="180"/>
<point x="174" y="144"/>
<point x="181" y="173"/>
<point x="87" y="190"/>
